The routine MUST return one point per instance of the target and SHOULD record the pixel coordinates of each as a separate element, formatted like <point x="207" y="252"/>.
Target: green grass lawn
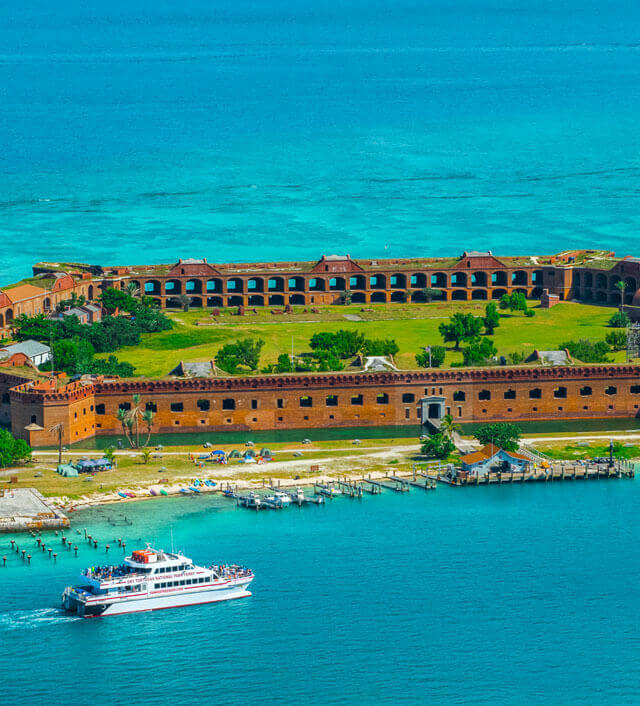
<point x="197" y="336"/>
<point x="562" y="450"/>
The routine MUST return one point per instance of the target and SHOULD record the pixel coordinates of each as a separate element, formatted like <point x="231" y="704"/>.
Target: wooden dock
<point x="559" y="472"/>
<point x="399" y="485"/>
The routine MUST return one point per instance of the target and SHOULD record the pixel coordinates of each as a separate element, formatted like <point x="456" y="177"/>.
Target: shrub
<point x="380" y="346"/>
<point x="617" y="340"/>
<point x="437" y="357"/>
<point x="244" y="353"/>
<point x="346" y="343"/>
<point x="12" y="450"/>
<point x="438" y="445"/>
<point x="588" y="352"/>
<point x="517" y="358"/>
<point x="479" y="353"/>
<point x="529" y="313"/>
<point x="514" y="302"/>
<point x="620" y="320"/>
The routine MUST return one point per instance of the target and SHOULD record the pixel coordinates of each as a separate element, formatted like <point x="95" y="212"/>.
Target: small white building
<point x="38" y="353"/>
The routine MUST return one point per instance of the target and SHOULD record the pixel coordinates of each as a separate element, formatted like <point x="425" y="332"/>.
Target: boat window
<point x="182" y="582"/>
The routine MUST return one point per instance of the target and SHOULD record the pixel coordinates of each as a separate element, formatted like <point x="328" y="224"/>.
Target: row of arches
<point x="601" y="280"/>
<point x="281" y="299"/>
<point x="6" y="318"/>
<point x="360" y="282"/>
<point x="604" y="296"/>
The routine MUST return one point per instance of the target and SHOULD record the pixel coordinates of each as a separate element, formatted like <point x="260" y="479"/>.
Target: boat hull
<point x="148" y="603"/>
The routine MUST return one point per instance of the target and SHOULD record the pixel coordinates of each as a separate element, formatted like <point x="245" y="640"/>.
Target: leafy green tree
<point x="13" y="450"/>
<point x="479" y="352"/>
<point x="438" y="445"/>
<point x="37" y="328"/>
<point x="504" y="435"/>
<point x="429" y="294"/>
<point x="346" y="343"/>
<point x="113" y="332"/>
<point x="113" y="299"/>
<point x="72" y="356"/>
<point x="380" y="346"/>
<point x="617" y="340"/>
<point x="284" y="364"/>
<point x="327" y="360"/>
<point x="461" y="327"/>
<point x="345" y="297"/>
<point x="147" y="318"/>
<point x="112" y="366"/>
<point x="620" y="320"/>
<point x="437" y="357"/>
<point x="244" y="353"/>
<point x="491" y="318"/>
<point x="588" y="352"/>
<point x="516" y="301"/>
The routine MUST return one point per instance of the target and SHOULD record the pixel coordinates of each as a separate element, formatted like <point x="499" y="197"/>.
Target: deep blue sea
<point x="139" y="130"/>
<point x="499" y="596"/>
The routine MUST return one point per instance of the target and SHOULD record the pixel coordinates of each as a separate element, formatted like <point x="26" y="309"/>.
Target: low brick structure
<point x="548" y="300"/>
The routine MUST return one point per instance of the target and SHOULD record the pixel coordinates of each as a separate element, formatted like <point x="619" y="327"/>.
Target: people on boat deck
<point x="111" y="571"/>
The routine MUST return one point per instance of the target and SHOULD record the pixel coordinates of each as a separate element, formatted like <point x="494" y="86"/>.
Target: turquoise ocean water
<point x="502" y="595"/>
<point x="134" y="130"/>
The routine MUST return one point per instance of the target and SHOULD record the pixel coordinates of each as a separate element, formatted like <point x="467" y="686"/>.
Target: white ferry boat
<point x="151" y="580"/>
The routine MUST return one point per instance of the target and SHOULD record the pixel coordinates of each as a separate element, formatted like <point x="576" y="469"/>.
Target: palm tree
<point x="132" y="289"/>
<point x="58" y="429"/>
<point x="449" y="427"/>
<point x="135" y="413"/>
<point x="109" y="454"/>
<point x="621" y="285"/>
<point x="147" y="418"/>
<point x="146" y="455"/>
<point x="185" y="301"/>
<point x="121" y="416"/>
<point x="130" y="420"/>
<point x="345" y="297"/>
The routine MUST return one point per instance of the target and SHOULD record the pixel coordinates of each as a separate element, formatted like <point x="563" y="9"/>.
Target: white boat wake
<point x="25" y="619"/>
